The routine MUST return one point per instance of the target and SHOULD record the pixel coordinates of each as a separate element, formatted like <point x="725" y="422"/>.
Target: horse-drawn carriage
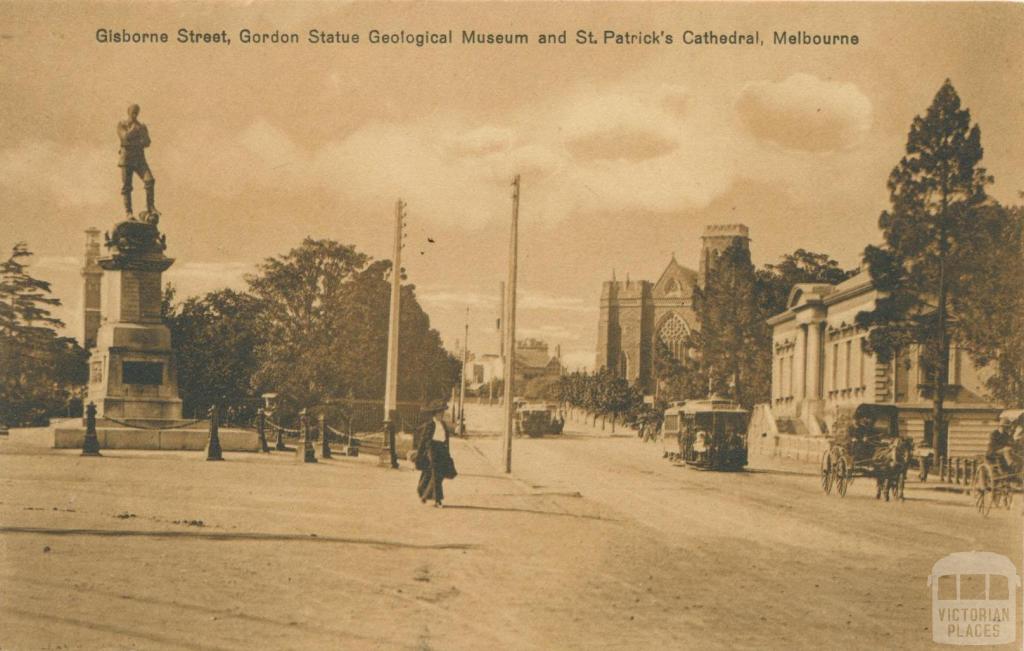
<point x="866" y="443"/>
<point x="996" y="478"/>
<point x="709" y="434"/>
<point x="538" y="419"/>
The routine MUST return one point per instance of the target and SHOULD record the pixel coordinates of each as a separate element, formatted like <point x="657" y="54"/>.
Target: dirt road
<point x="594" y="542"/>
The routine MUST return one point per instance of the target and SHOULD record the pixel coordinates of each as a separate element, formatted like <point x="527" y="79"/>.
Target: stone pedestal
<point x="131" y="369"/>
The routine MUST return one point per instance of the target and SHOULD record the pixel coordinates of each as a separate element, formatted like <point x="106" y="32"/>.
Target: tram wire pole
<point x="509" y="324"/>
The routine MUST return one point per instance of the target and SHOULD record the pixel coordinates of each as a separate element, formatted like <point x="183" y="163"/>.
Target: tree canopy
<point x="39" y="370"/>
<point x="312" y="327"/>
<point x="922" y="269"/>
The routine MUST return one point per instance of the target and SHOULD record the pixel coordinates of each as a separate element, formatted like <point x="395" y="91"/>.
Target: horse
<point x="891" y="462"/>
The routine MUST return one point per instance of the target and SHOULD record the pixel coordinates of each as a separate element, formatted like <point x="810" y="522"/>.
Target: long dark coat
<point x="434" y="461"/>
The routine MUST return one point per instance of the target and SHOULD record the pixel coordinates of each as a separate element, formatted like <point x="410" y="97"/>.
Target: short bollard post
<point x="304" y="450"/>
<point x="279" y="445"/>
<point x="325" y="444"/>
<point x="213" y="451"/>
<point x="388" y="454"/>
<point x="261" y="428"/>
<point x="91" y="445"/>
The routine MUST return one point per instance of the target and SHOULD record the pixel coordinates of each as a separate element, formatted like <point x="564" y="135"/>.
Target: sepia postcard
<point x="511" y="325"/>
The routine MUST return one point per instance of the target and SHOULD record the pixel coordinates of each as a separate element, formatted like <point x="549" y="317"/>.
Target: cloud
<point x="73" y="176"/>
<point x="805" y="113"/>
<point x="621" y="126"/>
<point x="200" y="278"/>
<point x="482" y="141"/>
<point x="675" y="100"/>
<point x="623" y="148"/>
<point x="621" y="142"/>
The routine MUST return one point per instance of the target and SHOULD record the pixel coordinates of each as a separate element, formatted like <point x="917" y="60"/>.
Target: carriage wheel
<point x="826" y="472"/>
<point x="982" y="490"/>
<point x="842" y="475"/>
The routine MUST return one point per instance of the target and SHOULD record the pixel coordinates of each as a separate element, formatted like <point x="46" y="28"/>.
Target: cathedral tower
<point x="715" y="240"/>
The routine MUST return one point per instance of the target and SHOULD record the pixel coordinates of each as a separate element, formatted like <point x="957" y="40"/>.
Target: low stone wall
<point x="126" y="438"/>
<point x="806" y="449"/>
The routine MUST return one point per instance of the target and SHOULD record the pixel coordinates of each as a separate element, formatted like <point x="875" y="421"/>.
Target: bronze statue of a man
<point x="134" y="137"/>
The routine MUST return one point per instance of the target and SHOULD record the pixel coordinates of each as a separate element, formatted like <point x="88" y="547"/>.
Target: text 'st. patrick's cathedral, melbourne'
<point x="637" y="314"/>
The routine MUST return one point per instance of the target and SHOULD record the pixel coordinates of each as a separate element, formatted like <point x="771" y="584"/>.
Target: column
<point x="814" y="360"/>
<point x="800" y="364"/>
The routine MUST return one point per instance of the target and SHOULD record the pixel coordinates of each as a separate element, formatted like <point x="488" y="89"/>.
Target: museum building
<point x="820" y="366"/>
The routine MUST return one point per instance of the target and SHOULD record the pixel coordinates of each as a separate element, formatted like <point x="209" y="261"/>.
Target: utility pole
<point x="389" y="454"/>
<point x="501" y="335"/>
<point x="462" y="389"/>
<point x="509" y="326"/>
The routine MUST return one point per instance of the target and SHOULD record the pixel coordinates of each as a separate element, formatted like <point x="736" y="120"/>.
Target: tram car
<point x="538" y="418"/>
<point x="710" y="434"/>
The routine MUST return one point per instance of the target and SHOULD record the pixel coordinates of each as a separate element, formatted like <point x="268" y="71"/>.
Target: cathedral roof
<point x="676" y="280"/>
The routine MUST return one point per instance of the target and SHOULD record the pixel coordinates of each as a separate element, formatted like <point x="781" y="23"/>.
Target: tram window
<point x="671" y="423"/>
<point x="972" y="586"/>
<point x="998" y="587"/>
<point x="947" y="587"/>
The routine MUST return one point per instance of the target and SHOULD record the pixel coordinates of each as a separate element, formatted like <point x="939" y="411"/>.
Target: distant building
<point x="533" y="361"/>
<point x="636" y="314"/>
<point x="819" y="365"/>
<point x="92" y="277"/>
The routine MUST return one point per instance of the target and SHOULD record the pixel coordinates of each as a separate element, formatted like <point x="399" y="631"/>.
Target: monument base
<point x="129" y="438"/>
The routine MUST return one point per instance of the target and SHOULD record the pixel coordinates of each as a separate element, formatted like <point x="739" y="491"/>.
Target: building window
<point x="835" y="366"/>
<point x="846" y="366"/>
<point x="954" y="365"/>
<point x="789" y="391"/>
<point x="860" y="362"/>
<point x="624" y="366"/>
<point x="674" y="334"/>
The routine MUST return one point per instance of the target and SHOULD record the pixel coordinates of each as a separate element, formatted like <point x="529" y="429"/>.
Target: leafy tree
<point x="543" y="388"/>
<point x="990" y="317"/>
<point x="39" y="369"/>
<point x="935" y="192"/>
<point x="325" y="308"/>
<point x="776" y="280"/>
<point x="735" y="350"/>
<point x="680" y="379"/>
<point x="215" y="339"/>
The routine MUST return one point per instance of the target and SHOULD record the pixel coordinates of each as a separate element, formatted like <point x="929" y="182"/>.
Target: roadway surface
<point x="594" y="541"/>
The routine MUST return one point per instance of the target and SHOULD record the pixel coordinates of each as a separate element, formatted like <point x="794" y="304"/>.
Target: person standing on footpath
<point x="433" y="455"/>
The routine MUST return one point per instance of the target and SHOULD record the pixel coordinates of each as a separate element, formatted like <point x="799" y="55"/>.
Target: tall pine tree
<point x="935" y="192"/>
<point x="37" y="366"/>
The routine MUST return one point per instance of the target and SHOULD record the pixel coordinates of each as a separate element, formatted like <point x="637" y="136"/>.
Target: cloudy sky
<point x="625" y="152"/>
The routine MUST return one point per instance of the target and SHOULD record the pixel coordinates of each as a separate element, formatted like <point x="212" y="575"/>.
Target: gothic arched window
<point x="674" y="334"/>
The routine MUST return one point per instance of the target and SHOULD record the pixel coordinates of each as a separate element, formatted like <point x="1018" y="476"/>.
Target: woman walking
<point x="433" y="456"/>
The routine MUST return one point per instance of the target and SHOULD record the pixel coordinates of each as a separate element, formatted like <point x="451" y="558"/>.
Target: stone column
<point x="814" y="351"/>
<point x="800" y="365"/>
